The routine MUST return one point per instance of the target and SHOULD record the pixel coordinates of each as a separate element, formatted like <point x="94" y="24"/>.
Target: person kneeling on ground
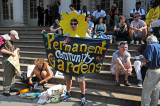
<point x="121" y="63"/>
<point x="41" y="70"/>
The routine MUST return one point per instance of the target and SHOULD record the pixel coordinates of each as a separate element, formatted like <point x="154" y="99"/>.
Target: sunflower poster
<point x="15" y="62"/>
<point x="75" y="56"/>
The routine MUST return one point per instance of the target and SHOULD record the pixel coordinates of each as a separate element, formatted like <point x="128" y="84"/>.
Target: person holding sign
<point x="41" y="70"/>
<point x="7" y="50"/>
<point x="68" y="78"/>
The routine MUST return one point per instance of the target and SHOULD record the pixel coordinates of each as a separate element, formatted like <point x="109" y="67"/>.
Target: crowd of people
<point x="130" y="30"/>
<point x="147" y="67"/>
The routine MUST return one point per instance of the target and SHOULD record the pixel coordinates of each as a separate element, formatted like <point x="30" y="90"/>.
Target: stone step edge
<point x="99" y="81"/>
<point x="99" y="93"/>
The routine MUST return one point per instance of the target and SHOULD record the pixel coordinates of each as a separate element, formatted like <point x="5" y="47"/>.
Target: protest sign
<point x="75" y="56"/>
<point x="15" y="62"/>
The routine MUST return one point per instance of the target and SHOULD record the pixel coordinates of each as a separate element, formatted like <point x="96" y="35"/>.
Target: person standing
<point x="7" y="50"/>
<point x="72" y="8"/>
<point x="98" y="13"/>
<point x="139" y="10"/>
<point x="59" y="10"/>
<point x="151" y="84"/>
<point x="68" y="78"/>
<point x="55" y="10"/>
<point x="48" y="16"/>
<point x="40" y="10"/>
<point x="84" y="11"/>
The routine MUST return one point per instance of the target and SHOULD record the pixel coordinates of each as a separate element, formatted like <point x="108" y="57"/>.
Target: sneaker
<point x="126" y="83"/>
<point x="6" y="94"/>
<point x="142" y="42"/>
<point x="117" y="83"/>
<point x="140" y="83"/>
<point x="83" y="102"/>
<point x="65" y="98"/>
<point x="132" y="42"/>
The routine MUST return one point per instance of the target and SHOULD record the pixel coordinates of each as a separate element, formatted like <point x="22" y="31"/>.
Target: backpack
<point x="140" y="12"/>
<point x="24" y="78"/>
<point x="135" y="9"/>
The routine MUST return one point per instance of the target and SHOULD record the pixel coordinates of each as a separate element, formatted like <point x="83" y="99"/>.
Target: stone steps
<point x="102" y="95"/>
<point x="26" y="57"/>
<point x="99" y="87"/>
<point x="106" y="85"/>
<point x="30" y="43"/>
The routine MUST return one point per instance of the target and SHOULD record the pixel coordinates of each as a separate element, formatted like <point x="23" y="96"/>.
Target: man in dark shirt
<point x="48" y="17"/>
<point x="151" y="84"/>
<point x="40" y="10"/>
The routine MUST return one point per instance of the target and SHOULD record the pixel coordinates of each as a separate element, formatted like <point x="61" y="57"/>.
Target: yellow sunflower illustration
<point x="82" y="24"/>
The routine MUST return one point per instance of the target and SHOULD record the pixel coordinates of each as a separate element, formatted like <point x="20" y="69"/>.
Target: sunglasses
<point x="89" y="17"/>
<point x="124" y="47"/>
<point x="73" y="23"/>
<point x="136" y="16"/>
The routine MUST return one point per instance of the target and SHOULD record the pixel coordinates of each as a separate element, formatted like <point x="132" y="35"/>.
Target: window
<point x="106" y="4"/>
<point x="77" y="4"/>
<point x="33" y="9"/>
<point x="7" y="9"/>
<point x="119" y="4"/>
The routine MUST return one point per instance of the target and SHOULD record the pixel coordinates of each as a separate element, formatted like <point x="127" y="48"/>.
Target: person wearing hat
<point x="139" y="10"/>
<point x="7" y="50"/>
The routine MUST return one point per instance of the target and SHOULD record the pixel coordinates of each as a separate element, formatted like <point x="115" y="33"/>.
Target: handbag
<point x="36" y="87"/>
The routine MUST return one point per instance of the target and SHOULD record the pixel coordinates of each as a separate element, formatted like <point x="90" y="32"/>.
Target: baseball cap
<point x="14" y="33"/>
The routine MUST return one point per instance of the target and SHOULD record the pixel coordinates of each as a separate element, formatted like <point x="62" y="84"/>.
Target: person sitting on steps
<point x="121" y="63"/>
<point x="138" y="29"/>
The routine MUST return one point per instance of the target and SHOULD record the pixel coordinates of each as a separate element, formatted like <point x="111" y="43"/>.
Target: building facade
<point x="24" y="12"/>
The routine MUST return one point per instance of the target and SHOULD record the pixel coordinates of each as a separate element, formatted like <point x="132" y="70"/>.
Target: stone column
<point x="128" y="5"/>
<point x="18" y="13"/>
<point x="65" y="5"/>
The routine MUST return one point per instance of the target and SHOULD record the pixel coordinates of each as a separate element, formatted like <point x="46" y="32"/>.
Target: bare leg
<point x="82" y="86"/>
<point x="37" y="72"/>
<point x="44" y="75"/>
<point x="68" y="85"/>
<point x="117" y="71"/>
<point x="131" y="33"/>
<point x="144" y="34"/>
<point x="127" y="66"/>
